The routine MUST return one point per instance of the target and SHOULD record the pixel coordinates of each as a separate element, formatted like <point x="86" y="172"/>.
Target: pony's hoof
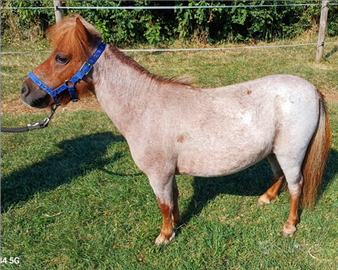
<point x="288" y="232"/>
<point x="263" y="200"/>
<point x="163" y="240"/>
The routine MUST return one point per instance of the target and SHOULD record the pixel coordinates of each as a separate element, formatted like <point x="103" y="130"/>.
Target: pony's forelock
<point x="64" y="32"/>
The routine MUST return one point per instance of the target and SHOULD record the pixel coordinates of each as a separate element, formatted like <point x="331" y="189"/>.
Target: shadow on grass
<point x="253" y="181"/>
<point x="76" y="156"/>
<point x="88" y="152"/>
<point x="334" y="50"/>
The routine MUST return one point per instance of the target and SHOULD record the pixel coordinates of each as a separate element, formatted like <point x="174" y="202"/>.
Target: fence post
<point x="322" y="28"/>
<point x="58" y="12"/>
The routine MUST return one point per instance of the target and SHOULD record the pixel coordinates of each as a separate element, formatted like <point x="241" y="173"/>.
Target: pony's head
<point x="74" y="41"/>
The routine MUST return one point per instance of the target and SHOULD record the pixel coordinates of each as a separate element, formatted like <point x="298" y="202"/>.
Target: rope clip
<point x="44" y="123"/>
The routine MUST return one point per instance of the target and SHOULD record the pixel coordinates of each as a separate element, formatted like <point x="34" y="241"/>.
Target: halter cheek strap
<point x="70" y="84"/>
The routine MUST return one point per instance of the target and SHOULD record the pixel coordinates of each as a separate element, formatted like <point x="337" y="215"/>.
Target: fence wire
<point x="171" y="7"/>
<point x="183" y="7"/>
<point x="196" y="7"/>
<point x="196" y="49"/>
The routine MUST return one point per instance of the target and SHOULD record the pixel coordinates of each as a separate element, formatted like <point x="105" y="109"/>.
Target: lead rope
<point x="38" y="125"/>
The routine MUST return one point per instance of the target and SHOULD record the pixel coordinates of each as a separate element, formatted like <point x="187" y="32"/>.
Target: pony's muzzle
<point x="24" y="90"/>
<point x="33" y="96"/>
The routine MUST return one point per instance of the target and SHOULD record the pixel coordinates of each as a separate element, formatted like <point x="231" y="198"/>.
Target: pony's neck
<point x="123" y="87"/>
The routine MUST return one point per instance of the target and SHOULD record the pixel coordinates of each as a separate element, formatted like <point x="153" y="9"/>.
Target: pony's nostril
<point x="24" y="90"/>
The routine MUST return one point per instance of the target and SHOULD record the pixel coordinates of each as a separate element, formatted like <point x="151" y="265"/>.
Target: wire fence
<point x="60" y="7"/>
<point x="173" y="7"/>
<point x="195" y="49"/>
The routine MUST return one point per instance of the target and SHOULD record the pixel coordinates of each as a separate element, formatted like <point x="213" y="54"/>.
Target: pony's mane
<point x="64" y="32"/>
<point x="132" y="63"/>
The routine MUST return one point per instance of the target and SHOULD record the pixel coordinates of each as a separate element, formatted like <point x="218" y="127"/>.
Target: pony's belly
<point x="211" y="166"/>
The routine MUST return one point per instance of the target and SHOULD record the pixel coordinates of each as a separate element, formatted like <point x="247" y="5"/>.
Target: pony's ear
<point x="82" y="32"/>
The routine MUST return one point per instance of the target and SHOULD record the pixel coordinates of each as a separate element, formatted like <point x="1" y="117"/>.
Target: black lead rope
<point x="33" y="126"/>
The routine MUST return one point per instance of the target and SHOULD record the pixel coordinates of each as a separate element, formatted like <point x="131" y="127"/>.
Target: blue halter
<point x="70" y="84"/>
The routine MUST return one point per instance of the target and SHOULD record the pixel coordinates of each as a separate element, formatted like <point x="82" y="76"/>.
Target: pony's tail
<point x="315" y="158"/>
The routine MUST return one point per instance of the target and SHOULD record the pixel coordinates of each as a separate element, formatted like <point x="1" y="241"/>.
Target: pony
<point x="173" y="128"/>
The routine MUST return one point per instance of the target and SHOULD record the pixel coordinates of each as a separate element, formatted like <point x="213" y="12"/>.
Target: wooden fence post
<point x="322" y="28"/>
<point x="58" y="12"/>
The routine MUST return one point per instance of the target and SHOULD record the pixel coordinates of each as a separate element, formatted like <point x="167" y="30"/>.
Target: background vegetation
<point x="162" y="27"/>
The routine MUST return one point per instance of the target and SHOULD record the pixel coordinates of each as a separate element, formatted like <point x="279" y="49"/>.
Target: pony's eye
<point x="61" y="59"/>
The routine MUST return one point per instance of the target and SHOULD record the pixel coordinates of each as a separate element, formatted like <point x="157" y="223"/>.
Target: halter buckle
<point x="86" y="68"/>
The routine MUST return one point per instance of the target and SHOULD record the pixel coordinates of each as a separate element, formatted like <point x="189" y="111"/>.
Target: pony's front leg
<point x="166" y="192"/>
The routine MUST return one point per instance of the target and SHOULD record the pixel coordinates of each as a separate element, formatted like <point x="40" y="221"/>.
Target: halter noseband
<point x="70" y="84"/>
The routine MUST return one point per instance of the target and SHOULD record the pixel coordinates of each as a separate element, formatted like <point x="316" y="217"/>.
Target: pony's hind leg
<point x="290" y="225"/>
<point x="295" y="182"/>
<point x="292" y="171"/>
<point x="278" y="177"/>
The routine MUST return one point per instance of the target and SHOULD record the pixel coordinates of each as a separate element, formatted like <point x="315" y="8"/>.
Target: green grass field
<point x="72" y="197"/>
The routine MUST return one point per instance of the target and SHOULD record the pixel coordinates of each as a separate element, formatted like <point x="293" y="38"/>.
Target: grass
<point x="72" y="198"/>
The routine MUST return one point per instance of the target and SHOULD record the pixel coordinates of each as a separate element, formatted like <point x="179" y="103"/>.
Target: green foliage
<point x="125" y="27"/>
<point x="23" y="23"/>
<point x="241" y="24"/>
<point x="332" y="23"/>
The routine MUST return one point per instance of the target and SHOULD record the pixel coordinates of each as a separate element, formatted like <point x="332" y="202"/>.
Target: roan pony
<point x="173" y="128"/>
